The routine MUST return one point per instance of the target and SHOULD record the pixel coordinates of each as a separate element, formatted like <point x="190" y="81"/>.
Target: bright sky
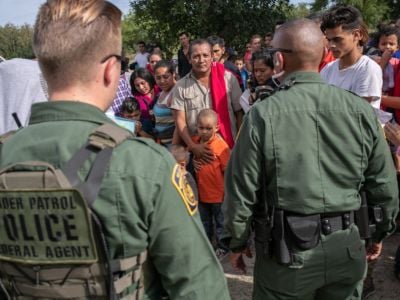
<point x="19" y="12"/>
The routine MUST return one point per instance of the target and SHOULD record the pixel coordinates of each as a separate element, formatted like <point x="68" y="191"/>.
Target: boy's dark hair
<point x="346" y="16"/>
<point x="238" y="57"/>
<point x="145" y="75"/>
<point x="183" y="33"/>
<point x="216" y="40"/>
<point x="165" y="64"/>
<point x="130" y="105"/>
<point x="142" y="43"/>
<point x="197" y="42"/>
<point x="386" y="31"/>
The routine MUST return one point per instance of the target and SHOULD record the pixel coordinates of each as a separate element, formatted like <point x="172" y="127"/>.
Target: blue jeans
<point x="210" y="213"/>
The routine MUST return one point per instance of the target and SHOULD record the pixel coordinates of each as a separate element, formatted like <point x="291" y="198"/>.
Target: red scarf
<point x="326" y="60"/>
<point x="220" y="102"/>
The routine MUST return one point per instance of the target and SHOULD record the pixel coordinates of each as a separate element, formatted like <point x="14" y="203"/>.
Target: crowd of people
<point x="267" y="143"/>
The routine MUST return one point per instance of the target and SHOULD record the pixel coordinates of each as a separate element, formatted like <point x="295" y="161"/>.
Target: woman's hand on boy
<point x="202" y="153"/>
<point x="197" y="165"/>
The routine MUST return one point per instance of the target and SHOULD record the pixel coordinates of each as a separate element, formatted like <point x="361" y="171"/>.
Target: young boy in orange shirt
<point x="210" y="177"/>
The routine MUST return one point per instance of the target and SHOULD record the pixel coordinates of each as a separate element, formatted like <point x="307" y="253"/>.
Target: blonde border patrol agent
<point x="144" y="204"/>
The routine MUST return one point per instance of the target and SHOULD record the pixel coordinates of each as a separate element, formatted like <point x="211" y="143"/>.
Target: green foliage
<point x="394" y="11"/>
<point x="234" y="20"/>
<point x="373" y="11"/>
<point x="16" y="41"/>
<point x="298" y="11"/>
<point x="132" y="33"/>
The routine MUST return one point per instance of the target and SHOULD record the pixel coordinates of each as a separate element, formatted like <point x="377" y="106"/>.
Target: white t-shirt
<point x="364" y="78"/>
<point x="141" y="59"/>
<point x="21" y="85"/>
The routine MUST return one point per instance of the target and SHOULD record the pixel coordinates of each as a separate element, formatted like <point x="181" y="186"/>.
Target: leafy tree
<point x="298" y="11"/>
<point x="132" y="33"/>
<point x="16" y="41"/>
<point x="373" y="11"/>
<point x="394" y="12"/>
<point x="234" y="20"/>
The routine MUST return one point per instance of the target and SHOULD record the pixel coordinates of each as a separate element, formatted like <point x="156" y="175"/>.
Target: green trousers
<point x="330" y="271"/>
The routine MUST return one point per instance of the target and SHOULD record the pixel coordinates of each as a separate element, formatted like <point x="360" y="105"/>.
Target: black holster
<point x="366" y="219"/>
<point x="262" y="235"/>
<point x="293" y="233"/>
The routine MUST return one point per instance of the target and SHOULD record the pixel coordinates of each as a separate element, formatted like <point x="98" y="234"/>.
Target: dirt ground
<point x="386" y="285"/>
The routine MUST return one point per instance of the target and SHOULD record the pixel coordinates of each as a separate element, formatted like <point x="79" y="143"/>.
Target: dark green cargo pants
<point x="330" y="271"/>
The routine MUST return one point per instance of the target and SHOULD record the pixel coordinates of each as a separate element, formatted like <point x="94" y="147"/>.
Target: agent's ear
<point x="111" y="71"/>
<point x="279" y="62"/>
<point x="324" y="53"/>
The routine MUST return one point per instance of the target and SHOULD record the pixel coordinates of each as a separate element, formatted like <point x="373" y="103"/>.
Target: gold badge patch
<point x="185" y="190"/>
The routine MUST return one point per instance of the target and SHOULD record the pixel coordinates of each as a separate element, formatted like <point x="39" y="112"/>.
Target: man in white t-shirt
<point x="347" y="34"/>
<point x="141" y="58"/>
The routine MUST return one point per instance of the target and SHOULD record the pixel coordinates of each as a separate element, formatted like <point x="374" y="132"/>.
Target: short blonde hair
<point x="70" y="36"/>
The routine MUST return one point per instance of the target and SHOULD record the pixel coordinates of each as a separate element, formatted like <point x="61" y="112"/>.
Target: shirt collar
<point x="303" y="77"/>
<point x="67" y="111"/>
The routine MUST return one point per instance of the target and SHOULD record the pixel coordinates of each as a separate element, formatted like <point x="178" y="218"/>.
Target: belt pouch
<point x="303" y="231"/>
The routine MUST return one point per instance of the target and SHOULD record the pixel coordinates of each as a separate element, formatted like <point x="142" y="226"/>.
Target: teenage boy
<point x="219" y="54"/>
<point x="347" y="34"/>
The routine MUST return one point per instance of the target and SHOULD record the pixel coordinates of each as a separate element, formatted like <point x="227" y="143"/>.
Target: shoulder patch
<point x="182" y="186"/>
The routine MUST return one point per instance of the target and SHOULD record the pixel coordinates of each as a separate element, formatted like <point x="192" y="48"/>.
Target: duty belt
<point x="336" y="221"/>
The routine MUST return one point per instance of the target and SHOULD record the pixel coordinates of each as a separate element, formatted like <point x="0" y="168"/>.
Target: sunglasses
<point x="274" y="50"/>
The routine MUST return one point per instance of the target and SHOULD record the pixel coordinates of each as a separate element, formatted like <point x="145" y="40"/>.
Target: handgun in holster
<point x="262" y="235"/>
<point x="280" y="247"/>
<point x="366" y="219"/>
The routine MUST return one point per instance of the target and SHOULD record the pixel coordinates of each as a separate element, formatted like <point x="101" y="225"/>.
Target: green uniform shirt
<point x="310" y="147"/>
<point x="138" y="204"/>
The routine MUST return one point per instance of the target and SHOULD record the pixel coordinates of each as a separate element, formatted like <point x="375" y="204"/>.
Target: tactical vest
<point x="52" y="244"/>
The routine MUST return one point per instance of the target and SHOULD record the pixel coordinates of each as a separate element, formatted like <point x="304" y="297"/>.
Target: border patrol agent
<point x="86" y="210"/>
<point x="309" y="150"/>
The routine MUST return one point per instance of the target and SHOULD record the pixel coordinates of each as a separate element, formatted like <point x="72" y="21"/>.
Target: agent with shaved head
<point x="309" y="149"/>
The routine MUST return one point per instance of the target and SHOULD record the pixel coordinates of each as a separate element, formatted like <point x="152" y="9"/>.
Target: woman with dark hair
<point x="164" y="74"/>
<point x="154" y="58"/>
<point x="145" y="90"/>
<point x="261" y="83"/>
